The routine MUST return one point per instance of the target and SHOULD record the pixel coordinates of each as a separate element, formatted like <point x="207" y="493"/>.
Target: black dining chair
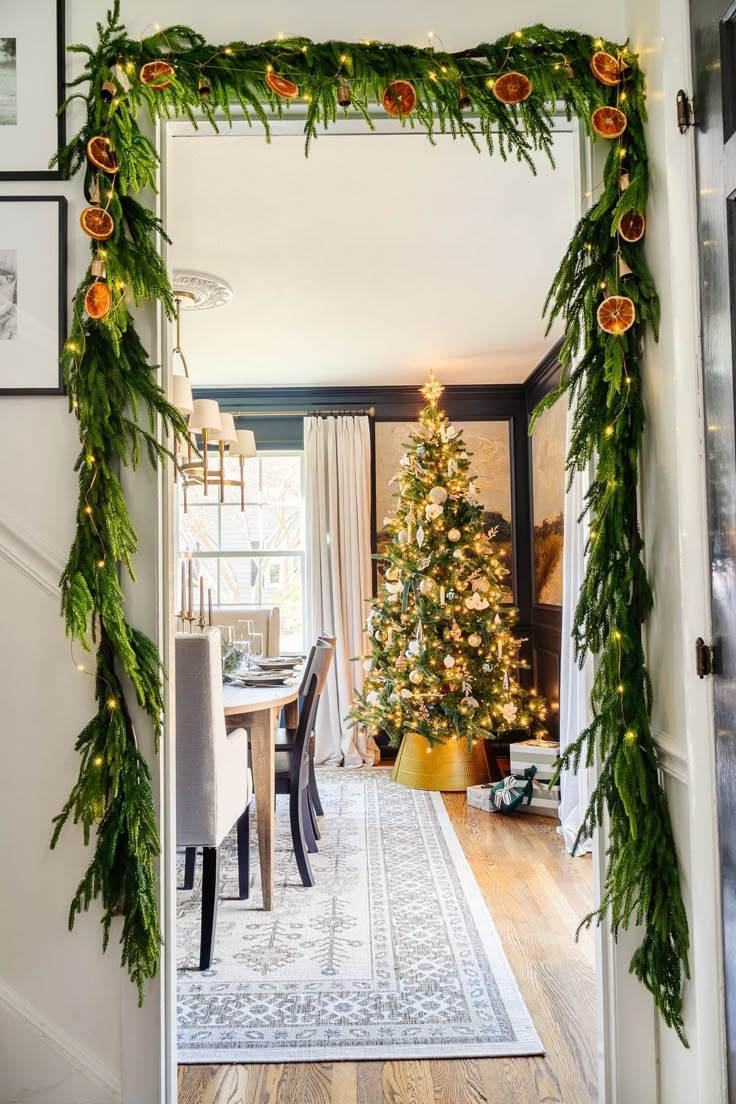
<point x="284" y="738"/>
<point x="292" y="764"/>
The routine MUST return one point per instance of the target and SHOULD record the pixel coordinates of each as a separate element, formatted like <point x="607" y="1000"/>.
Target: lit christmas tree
<point x="444" y="659"/>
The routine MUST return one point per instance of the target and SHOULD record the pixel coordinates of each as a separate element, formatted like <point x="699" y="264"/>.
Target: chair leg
<point x="313" y="791"/>
<point x="190" y="862"/>
<point x="309" y="836"/>
<point x="210" y="898"/>
<point x="297" y="836"/>
<point x="244" y="855"/>
<point x="312" y="815"/>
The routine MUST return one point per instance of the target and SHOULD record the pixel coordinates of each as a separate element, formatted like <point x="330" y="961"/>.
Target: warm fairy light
<point x="100" y="563"/>
<point x="518" y="34"/>
<point x="306" y="97"/>
<point x="280" y="36"/>
<point x="616" y="634"/>
<point x="609" y="431"/>
<point x="112" y="703"/>
<point x="622" y="152"/>
<point x="80" y="666"/>
<point x="98" y="760"/>
<point x="490" y="82"/>
<point x="620" y="688"/>
<point x="432" y="75"/>
<point x="75" y="404"/>
<point x="630" y="736"/>
<point x="90" y="458"/>
<point x="598" y="43"/>
<point x="343" y="59"/>
<point x="269" y="68"/>
<point x="304" y="49"/>
<point x="603" y="284"/>
<point x="367" y="42"/>
<point x="627" y="379"/>
<point x="88" y="509"/>
<point x="622" y="96"/>
<point x="72" y="347"/>
<point x="227" y="50"/>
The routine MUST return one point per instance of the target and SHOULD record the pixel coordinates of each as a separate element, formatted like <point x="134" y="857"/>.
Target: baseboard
<point x="26" y="551"/>
<point x="83" y="1066"/>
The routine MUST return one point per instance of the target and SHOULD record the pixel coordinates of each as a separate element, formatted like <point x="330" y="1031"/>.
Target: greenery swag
<point x="110" y="384"/>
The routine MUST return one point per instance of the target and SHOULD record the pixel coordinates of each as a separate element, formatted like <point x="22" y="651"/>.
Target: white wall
<point x="63" y="999"/>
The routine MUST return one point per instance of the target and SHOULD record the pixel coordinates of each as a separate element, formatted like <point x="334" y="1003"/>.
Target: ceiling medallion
<point x="201" y="292"/>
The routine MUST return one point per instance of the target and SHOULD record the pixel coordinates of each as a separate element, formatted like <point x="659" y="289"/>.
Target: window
<point x="253" y="557"/>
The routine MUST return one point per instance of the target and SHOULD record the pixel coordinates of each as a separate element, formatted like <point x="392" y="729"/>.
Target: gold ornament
<point x="454" y="535"/>
<point x="474" y="640"/>
<point x="416" y="677"/>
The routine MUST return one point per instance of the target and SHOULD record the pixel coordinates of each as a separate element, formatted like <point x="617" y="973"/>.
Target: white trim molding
<point x="30" y="554"/>
<point x="78" y="1057"/>
<point x="672" y="759"/>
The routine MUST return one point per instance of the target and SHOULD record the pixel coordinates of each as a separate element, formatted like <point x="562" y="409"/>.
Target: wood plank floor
<point x="536" y="894"/>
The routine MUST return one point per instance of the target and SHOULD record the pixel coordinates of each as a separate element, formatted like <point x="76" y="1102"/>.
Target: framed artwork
<point x="31" y="88"/>
<point x="489" y="446"/>
<point x="548" y="496"/>
<point x="32" y="294"/>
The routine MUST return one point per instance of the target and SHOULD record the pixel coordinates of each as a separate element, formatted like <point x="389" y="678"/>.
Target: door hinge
<point x="685" y="112"/>
<point x="704" y="658"/>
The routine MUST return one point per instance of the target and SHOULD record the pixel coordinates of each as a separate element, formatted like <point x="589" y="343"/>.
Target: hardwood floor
<point x="537" y="895"/>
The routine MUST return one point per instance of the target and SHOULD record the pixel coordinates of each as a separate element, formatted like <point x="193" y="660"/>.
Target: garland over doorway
<point x="501" y="95"/>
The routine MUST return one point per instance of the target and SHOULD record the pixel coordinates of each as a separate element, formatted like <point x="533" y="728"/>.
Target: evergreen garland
<point x="110" y="384"/>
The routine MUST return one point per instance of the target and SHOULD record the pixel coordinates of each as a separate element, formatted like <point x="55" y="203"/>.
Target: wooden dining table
<point x="258" y="709"/>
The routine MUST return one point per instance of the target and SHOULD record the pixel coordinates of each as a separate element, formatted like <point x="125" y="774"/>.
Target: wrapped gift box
<point x="480" y="797"/>
<point x="542" y="755"/>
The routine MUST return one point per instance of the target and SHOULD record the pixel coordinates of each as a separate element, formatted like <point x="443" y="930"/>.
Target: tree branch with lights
<point x="501" y="96"/>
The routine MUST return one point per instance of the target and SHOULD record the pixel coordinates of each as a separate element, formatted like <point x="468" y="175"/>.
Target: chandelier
<point x="209" y="427"/>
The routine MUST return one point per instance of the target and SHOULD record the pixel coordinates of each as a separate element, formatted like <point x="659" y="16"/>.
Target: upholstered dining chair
<point x="292" y="764"/>
<point x="213" y="781"/>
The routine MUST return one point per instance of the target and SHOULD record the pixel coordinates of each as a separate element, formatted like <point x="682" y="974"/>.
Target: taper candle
<point x="190" y="607"/>
<point x="183" y="588"/>
<point x="201" y="599"/>
<point x="209" y="606"/>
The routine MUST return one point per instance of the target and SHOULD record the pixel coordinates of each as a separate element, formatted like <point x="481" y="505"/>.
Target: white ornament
<point x="426" y="586"/>
<point x="404" y="461"/>
<point x="402" y="536"/>
<point x="438" y="495"/>
<point x="454" y="535"/>
<point x="475" y="602"/>
<point x="406" y="693"/>
<point x="420" y="536"/>
<point x="472" y="702"/>
<point x="509" y="712"/>
<point x="449" y="661"/>
<point x="481" y="583"/>
<point x="458" y="554"/>
<point x="373" y="697"/>
<point x="433" y="510"/>
<point x="414" y="648"/>
<point x="367" y="664"/>
<point x="452" y="467"/>
<point x="474" y="640"/>
<point x="393" y="588"/>
<point x="415" y="677"/>
<point x="448" y="433"/>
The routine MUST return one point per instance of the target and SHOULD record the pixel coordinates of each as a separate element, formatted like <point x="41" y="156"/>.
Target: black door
<point x="714" y="70"/>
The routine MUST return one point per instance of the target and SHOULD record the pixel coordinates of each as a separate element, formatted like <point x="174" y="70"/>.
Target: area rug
<point x="391" y="955"/>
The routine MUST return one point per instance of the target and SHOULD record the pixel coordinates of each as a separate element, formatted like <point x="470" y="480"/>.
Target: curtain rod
<point x="369" y="411"/>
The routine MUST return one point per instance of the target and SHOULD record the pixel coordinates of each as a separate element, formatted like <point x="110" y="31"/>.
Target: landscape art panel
<point x="548" y="484"/>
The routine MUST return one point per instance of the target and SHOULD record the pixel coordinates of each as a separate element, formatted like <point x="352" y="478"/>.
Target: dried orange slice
<point x="616" y="314"/>
<point x="156" y="74"/>
<point x="98" y="300"/>
<point x="97" y="222"/>
<point x="606" y="68"/>
<point x="400" y="98"/>
<point x="101" y="155"/>
<point x="512" y="88"/>
<point x="631" y="226"/>
<point x="282" y="86"/>
<point x="608" y="122"/>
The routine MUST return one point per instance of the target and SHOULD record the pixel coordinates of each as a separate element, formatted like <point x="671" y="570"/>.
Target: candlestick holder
<point x="187" y="617"/>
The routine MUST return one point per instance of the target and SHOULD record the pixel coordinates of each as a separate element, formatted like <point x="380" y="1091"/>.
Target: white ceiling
<point x="372" y="261"/>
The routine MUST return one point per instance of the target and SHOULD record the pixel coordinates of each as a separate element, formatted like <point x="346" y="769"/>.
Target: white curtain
<point x="338" y="501"/>
<point x="575" y="685"/>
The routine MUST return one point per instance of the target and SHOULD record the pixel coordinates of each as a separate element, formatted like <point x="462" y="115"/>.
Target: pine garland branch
<point x="122" y="414"/>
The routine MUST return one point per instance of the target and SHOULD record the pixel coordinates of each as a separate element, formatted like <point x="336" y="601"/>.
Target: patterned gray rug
<point x="392" y="954"/>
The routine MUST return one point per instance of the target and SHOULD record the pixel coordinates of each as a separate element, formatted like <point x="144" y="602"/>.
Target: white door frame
<point x="626" y="1020"/>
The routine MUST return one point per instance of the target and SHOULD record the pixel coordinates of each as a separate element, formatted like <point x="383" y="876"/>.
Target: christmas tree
<point x="444" y="659"/>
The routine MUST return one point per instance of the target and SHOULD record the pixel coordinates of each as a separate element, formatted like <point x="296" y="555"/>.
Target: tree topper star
<point x="432" y="390"/>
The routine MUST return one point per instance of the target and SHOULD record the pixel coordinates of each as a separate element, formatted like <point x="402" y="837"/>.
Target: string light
<point x="112" y="703"/>
<point x="630" y="736"/>
<point x="80" y="666"/>
<point x="609" y="431"/>
<point x="98" y="760"/>
<point x="100" y="563"/>
<point x="88" y="509"/>
<point x="620" y="688"/>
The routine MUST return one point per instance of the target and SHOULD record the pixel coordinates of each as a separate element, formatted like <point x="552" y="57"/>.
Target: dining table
<point x="258" y="708"/>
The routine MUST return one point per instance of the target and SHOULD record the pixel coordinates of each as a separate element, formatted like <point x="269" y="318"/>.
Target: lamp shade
<point x="227" y="433"/>
<point x="205" y="415"/>
<point x="181" y="395"/>
<point x="246" y="443"/>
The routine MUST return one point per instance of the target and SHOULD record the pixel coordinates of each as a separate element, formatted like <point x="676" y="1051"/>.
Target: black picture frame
<point x="61" y="204"/>
<point x="60" y="53"/>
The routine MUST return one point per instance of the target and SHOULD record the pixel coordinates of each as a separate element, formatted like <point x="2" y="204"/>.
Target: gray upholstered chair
<point x="213" y="781"/>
